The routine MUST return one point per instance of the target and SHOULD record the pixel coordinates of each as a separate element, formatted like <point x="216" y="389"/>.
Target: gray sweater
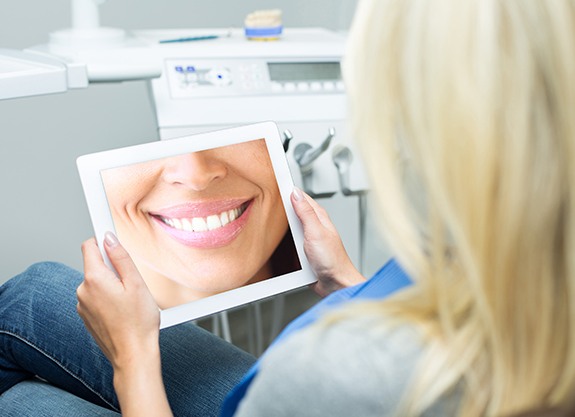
<point x="347" y="369"/>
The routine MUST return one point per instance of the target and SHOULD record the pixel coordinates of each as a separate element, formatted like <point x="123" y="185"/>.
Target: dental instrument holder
<point x="287" y="139"/>
<point x="342" y="158"/>
<point x="305" y="155"/>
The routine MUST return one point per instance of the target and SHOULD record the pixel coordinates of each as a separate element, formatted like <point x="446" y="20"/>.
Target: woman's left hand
<point x="119" y="311"/>
<point x="323" y="247"/>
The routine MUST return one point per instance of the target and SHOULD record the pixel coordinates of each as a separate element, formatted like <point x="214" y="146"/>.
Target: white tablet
<point x="207" y="218"/>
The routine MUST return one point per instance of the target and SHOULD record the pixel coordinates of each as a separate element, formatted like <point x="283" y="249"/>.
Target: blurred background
<point x="44" y="216"/>
<point x="43" y="212"/>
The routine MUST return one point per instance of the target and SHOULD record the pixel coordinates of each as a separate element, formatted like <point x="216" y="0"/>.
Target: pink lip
<point x="210" y="239"/>
<point x="198" y="209"/>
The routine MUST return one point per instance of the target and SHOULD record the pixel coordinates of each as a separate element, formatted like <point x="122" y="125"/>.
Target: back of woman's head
<point x="463" y="109"/>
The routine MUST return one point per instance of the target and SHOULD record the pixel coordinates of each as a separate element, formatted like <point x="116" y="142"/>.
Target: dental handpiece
<point x="305" y="154"/>
<point x="342" y="158"/>
<point x="287" y="139"/>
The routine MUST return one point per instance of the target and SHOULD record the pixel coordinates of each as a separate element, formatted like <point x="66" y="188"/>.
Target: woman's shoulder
<point x="356" y="365"/>
<point x="355" y="343"/>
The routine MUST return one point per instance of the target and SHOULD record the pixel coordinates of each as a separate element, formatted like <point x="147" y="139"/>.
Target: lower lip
<point x="210" y="239"/>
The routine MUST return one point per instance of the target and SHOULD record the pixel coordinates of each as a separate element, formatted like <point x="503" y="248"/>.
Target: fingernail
<point x="297" y="195"/>
<point x="110" y="239"/>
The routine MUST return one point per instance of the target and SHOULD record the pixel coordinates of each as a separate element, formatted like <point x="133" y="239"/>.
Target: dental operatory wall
<point x="43" y="213"/>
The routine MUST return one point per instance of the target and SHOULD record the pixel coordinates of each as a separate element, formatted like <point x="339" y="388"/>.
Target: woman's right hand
<point x="323" y="247"/>
<point x="119" y="311"/>
<point x="123" y="317"/>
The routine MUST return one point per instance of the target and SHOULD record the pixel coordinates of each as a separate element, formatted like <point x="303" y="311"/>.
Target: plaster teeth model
<point x="264" y="25"/>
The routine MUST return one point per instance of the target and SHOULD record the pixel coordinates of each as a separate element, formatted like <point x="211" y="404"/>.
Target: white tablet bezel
<point x="91" y="165"/>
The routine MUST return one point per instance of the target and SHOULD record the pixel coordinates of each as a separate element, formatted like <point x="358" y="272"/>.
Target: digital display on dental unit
<point x="201" y="223"/>
<point x="304" y="71"/>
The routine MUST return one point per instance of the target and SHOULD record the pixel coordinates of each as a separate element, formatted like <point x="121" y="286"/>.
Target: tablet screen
<point x="202" y="223"/>
<point x="207" y="218"/>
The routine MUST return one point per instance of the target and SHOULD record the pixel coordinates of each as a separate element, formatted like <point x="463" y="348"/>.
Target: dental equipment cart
<point x="296" y="81"/>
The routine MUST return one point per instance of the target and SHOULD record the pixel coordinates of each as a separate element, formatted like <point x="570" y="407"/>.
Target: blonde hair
<point x="475" y="100"/>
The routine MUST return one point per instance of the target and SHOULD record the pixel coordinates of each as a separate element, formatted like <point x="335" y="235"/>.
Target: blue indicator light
<point x="179" y="68"/>
<point x="191" y="68"/>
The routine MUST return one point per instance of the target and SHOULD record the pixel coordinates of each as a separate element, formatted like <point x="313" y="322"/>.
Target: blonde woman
<point x="463" y="111"/>
<point x="475" y="100"/>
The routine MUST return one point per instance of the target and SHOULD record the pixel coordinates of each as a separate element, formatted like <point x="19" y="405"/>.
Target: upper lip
<point x="198" y="209"/>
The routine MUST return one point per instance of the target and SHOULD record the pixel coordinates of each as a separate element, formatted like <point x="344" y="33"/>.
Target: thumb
<point x="121" y="260"/>
<point x="306" y="213"/>
<point x="309" y="210"/>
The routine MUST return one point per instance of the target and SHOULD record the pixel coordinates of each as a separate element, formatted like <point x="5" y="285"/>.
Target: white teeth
<point x="199" y="224"/>
<point x="224" y="219"/>
<point x="203" y="224"/>
<point x="187" y="225"/>
<point x="214" y="222"/>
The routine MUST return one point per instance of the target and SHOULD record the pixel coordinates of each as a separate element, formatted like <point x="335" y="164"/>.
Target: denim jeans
<point x="51" y="366"/>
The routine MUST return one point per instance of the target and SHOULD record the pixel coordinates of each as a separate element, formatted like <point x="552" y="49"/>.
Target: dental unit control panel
<point x="209" y="78"/>
<point x="295" y="81"/>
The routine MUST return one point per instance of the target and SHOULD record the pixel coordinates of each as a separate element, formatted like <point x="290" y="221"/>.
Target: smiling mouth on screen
<point x="205" y="226"/>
